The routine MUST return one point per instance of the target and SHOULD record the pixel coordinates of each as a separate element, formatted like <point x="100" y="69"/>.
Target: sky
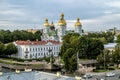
<point x="95" y="15"/>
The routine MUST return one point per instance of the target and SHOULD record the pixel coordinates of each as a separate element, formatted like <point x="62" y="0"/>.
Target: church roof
<point x="78" y="23"/>
<point x="46" y="23"/>
<point x="36" y="42"/>
<point x="62" y="21"/>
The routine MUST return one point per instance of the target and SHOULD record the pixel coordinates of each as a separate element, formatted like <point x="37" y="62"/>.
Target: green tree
<point x="105" y="37"/>
<point x="118" y="39"/>
<point x="1" y="48"/>
<point x="10" y="49"/>
<point x="104" y="59"/>
<point x="37" y="35"/>
<point x="69" y="59"/>
<point x="88" y="48"/>
<point x="116" y="55"/>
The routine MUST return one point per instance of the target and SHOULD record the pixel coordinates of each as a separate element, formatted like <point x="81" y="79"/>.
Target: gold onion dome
<point x="46" y="23"/>
<point x="78" y="22"/>
<point x="52" y="24"/>
<point x="62" y="22"/>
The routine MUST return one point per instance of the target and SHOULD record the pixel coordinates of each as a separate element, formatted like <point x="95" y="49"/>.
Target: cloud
<point x="115" y="4"/>
<point x="93" y="14"/>
<point x="101" y="23"/>
<point x="13" y="12"/>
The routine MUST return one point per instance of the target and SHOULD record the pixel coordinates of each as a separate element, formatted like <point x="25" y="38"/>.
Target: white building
<point x="37" y="49"/>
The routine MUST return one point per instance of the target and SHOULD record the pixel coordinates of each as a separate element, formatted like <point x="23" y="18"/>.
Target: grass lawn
<point x="100" y="70"/>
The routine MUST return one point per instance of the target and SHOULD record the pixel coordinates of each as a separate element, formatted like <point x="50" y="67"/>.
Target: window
<point x="36" y="49"/>
<point x="30" y="49"/>
<point x="33" y="49"/>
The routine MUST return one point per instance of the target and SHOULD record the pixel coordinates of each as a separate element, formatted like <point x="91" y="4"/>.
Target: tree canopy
<point x="105" y="37"/>
<point x="7" y="36"/>
<point x="88" y="48"/>
<point x="10" y="49"/>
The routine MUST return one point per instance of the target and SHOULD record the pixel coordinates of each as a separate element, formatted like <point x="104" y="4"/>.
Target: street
<point x="100" y="76"/>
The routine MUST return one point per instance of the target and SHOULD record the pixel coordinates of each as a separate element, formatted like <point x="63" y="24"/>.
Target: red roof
<point x="36" y="42"/>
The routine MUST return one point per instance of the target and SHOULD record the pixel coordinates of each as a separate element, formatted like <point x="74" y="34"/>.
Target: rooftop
<point x="36" y="42"/>
<point x="33" y="75"/>
<point x="110" y="45"/>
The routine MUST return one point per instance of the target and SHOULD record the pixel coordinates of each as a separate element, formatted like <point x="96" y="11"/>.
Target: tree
<point x="88" y="48"/>
<point x="10" y="49"/>
<point x="104" y="59"/>
<point x="38" y="35"/>
<point x="70" y="60"/>
<point x="95" y="46"/>
<point x="105" y="37"/>
<point x="1" y="48"/>
<point x="118" y="39"/>
<point x="116" y="55"/>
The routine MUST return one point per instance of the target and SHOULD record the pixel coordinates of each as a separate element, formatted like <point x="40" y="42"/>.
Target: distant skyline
<point x="30" y="14"/>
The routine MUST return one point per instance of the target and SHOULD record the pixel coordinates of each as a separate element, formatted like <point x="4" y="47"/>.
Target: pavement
<point x="101" y="75"/>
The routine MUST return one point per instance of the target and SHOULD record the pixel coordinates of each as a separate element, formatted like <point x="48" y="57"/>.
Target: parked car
<point x="87" y="76"/>
<point x="102" y="79"/>
<point x="110" y="74"/>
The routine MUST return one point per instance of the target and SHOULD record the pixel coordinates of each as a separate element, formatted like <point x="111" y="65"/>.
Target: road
<point x="102" y="76"/>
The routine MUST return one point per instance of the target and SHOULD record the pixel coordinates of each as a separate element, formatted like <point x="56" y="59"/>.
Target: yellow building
<point x="32" y="30"/>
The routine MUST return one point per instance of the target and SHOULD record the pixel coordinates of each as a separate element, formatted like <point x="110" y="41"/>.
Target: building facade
<point x="37" y="49"/>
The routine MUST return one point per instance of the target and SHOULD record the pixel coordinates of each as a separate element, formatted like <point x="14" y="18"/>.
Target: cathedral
<point x="51" y="41"/>
<point x="50" y="33"/>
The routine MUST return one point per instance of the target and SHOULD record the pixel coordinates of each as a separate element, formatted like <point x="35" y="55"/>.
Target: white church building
<point x="51" y="41"/>
<point x="50" y="33"/>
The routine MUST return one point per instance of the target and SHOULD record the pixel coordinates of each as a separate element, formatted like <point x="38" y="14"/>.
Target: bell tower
<point x="61" y="27"/>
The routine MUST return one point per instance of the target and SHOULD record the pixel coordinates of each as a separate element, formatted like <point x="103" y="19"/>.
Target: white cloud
<point x="115" y="4"/>
<point x="97" y="24"/>
<point x="13" y="12"/>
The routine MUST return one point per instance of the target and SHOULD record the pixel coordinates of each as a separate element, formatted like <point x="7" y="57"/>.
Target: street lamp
<point x="43" y="65"/>
<point x="26" y="56"/>
<point x="50" y="50"/>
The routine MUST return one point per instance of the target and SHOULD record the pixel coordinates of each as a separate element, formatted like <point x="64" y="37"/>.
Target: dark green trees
<point x="70" y="60"/>
<point x="118" y="39"/>
<point x="7" y="36"/>
<point x="88" y="48"/>
<point x="1" y="48"/>
<point x="10" y="49"/>
<point x="105" y="37"/>
<point x="116" y="55"/>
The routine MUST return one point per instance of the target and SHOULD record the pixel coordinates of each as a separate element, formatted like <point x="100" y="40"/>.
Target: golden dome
<point x="62" y="22"/>
<point x="52" y="24"/>
<point x="46" y="23"/>
<point x="78" y="23"/>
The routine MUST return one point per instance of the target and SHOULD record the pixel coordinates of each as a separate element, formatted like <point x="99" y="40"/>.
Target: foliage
<point x="70" y="61"/>
<point x="105" y="58"/>
<point x="7" y="36"/>
<point x="118" y="38"/>
<point x="1" y="48"/>
<point x="10" y="49"/>
<point x="116" y="55"/>
<point x="88" y="48"/>
<point x="105" y="37"/>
